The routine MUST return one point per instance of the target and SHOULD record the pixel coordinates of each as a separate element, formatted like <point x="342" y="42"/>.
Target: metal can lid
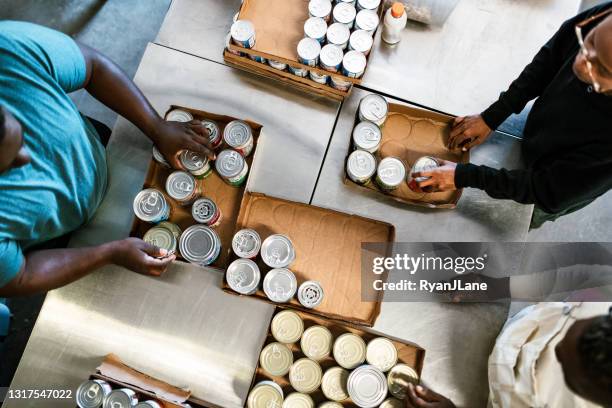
<point x="367" y="20"/>
<point x="309" y="49"/>
<point x="275" y="359"/>
<point x="368" y="4"/>
<point x="319" y="8"/>
<point x="334" y="384"/>
<point x="120" y="398"/>
<point x="246" y="243"/>
<point x="237" y="133"/>
<point x="373" y="108"/>
<point x="273" y="384"/>
<point x="391" y="171"/>
<point x="277" y="251"/>
<point x="298" y="400"/>
<point x="331" y="55"/>
<point x="367" y="386"/>
<point x="265" y="396"/>
<point x="424" y="164"/>
<point x="354" y="61"/>
<point x="316" y="342"/>
<point x="199" y="244"/>
<point x="193" y="161"/>
<point x="305" y="375"/>
<point x="213" y="129"/>
<point x="361" y="41"/>
<point x="361" y="164"/>
<point x="398" y="379"/>
<point x="242" y="30"/>
<point x="160" y="237"/>
<point x="173" y="228"/>
<point x="310" y="294"/>
<point x="148" y="404"/>
<point x="392" y="403"/>
<point x="149" y="204"/>
<point x="180" y="185"/>
<point x="349" y="350"/>
<point x="179" y="115"/>
<point x="243" y="276"/>
<point x="229" y="163"/>
<point x="91" y="393"/>
<point x="204" y="210"/>
<point x="280" y="285"/>
<point x="381" y="353"/>
<point x="287" y="327"/>
<point x="315" y="27"/>
<point x="367" y="135"/>
<point x="344" y="13"/>
<point x="338" y="33"/>
<point x="330" y="404"/>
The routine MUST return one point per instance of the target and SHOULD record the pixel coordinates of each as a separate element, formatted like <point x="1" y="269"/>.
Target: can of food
<point x="182" y="187"/>
<point x="345" y="13"/>
<point x="316" y="342"/>
<point x="265" y="396"/>
<point x="196" y="164"/>
<point x="367" y="136"/>
<point x="281" y="66"/>
<point x="148" y="404"/>
<point x="351" y="2"/>
<point x="273" y="384"/>
<point x="298" y="400"/>
<point x="310" y="294"/>
<point x="367" y="20"/>
<point x="232" y="167"/>
<point x="334" y="384"/>
<point x="228" y="41"/>
<point x="331" y="57"/>
<point x="162" y="238"/>
<point x="338" y="34"/>
<point x="398" y="379"/>
<point x="277" y="251"/>
<point x="368" y="4"/>
<point x="330" y="404"/>
<point x="280" y="285"/>
<point x="426" y="163"/>
<point x="243" y="276"/>
<point x="160" y="157"/>
<point x="353" y="64"/>
<point x="179" y="115"/>
<point x="340" y="84"/>
<point x="120" y="398"/>
<point x="243" y="33"/>
<point x="276" y="359"/>
<point x="287" y="327"/>
<point x="173" y="228"/>
<point x="349" y="351"/>
<point x="91" y="393"/>
<point x="381" y="353"/>
<point x="298" y="71"/>
<point x="258" y="58"/>
<point x="315" y="28"/>
<point x="367" y="386"/>
<point x="361" y="166"/>
<point x="318" y="78"/>
<point x="361" y="41"/>
<point x="320" y="8"/>
<point x="308" y="51"/>
<point x="239" y="136"/>
<point x="214" y="134"/>
<point x="392" y="403"/>
<point x="200" y="245"/>
<point x="205" y="211"/>
<point x="391" y="173"/>
<point x="150" y="205"/>
<point x="246" y="243"/>
<point x="373" y="108"/>
<point x="305" y="375"/>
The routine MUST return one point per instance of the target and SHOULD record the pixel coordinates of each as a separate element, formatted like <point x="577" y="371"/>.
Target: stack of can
<point x="98" y="393"/>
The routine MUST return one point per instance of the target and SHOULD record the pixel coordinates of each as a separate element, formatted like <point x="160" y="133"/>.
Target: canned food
<point x="161" y="237"/>
<point x="391" y="173"/>
<point x="280" y="285"/>
<point x="330" y="404"/>
<point x="367" y="136"/>
<point x="354" y="64"/>
<point x="173" y="228"/>
<point x="258" y="58"/>
<point x="298" y="71"/>
<point x="351" y="2"/>
<point x="276" y="359"/>
<point x="277" y="251"/>
<point x="367" y="20"/>
<point x="243" y="276"/>
<point x="182" y="187"/>
<point x="361" y="166"/>
<point x="205" y="211"/>
<point x="273" y="384"/>
<point x="316" y="342"/>
<point x="315" y="28"/>
<point x="179" y="115"/>
<point x="150" y="205"/>
<point x="195" y="163"/>
<point x="298" y="400"/>
<point x="398" y="379"/>
<point x="344" y="13"/>
<point x="214" y="134"/>
<point x="426" y="163"/>
<point x="367" y="386"/>
<point x="281" y="66"/>
<point x="246" y="243"/>
<point x="349" y="351"/>
<point x="310" y="294"/>
<point x="392" y="403"/>
<point x="331" y="57"/>
<point x="305" y="375"/>
<point x="308" y="51"/>
<point x="318" y="78"/>
<point x="239" y="136"/>
<point x="340" y="84"/>
<point x="265" y="396"/>
<point x="160" y="157"/>
<point x="381" y="353"/>
<point x="120" y="398"/>
<point x="228" y="41"/>
<point x="338" y="34"/>
<point x="232" y="167"/>
<point x="361" y="41"/>
<point x="243" y="33"/>
<point x="91" y="393"/>
<point x="200" y="245"/>
<point x="334" y="384"/>
<point x="368" y="4"/>
<point x="148" y="404"/>
<point x="320" y="8"/>
<point x="287" y="327"/>
<point x="373" y="108"/>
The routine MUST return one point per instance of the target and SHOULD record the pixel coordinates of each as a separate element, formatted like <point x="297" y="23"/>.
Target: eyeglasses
<point x="583" y="49"/>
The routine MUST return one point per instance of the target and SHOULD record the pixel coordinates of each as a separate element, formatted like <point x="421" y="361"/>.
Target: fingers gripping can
<point x="182" y="187"/>
<point x="232" y="167"/>
<point x="239" y="136"/>
<point x="150" y="205"/>
<point x="195" y="163"/>
<point x="91" y="393"/>
<point x="162" y="238"/>
<point x="205" y="211"/>
<point x="426" y="163"/>
<point x="214" y="134"/>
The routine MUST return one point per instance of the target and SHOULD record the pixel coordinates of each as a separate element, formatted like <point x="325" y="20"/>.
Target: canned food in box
<point x="316" y="342"/>
<point x="258" y="58"/>
<point x="354" y="64"/>
<point x="351" y="2"/>
<point x="367" y="386"/>
<point x="277" y="251"/>
<point x="360" y="167"/>
<point x="200" y="245"/>
<point x="246" y="243"/>
<point x="381" y="353"/>
<point x="426" y="163"/>
<point x="287" y="327"/>
<point x="239" y="136"/>
<point x="228" y="41"/>
<point x="368" y="4"/>
<point x="340" y="84"/>
<point x="315" y="28"/>
<point x="373" y="108"/>
<point x="320" y="8"/>
<point x="205" y="211"/>
<point x="160" y="157"/>
<point x="162" y="238"/>
<point x="392" y="403"/>
<point x="150" y="205"/>
<point x="148" y="404"/>
<point x="214" y="134"/>
<point x="298" y="71"/>
<point x="318" y="78"/>
<point x="298" y="400"/>
<point x="391" y="173"/>
<point x="361" y="41"/>
<point x="310" y="294"/>
<point x="338" y="34"/>
<point x="308" y="51"/>
<point x="276" y="359"/>
<point x="91" y="393"/>
<point x="281" y="66"/>
<point x="331" y="57"/>
<point x="367" y="20"/>
<point x="179" y="115"/>
<point x="173" y="228"/>
<point x="367" y="136"/>
<point x="243" y="276"/>
<point x="120" y="398"/>
<point x="265" y="396"/>
<point x="344" y="13"/>
<point x="398" y="379"/>
<point x="243" y="33"/>
<point x="232" y="167"/>
<point x="330" y="404"/>
<point x="182" y="187"/>
<point x="334" y="384"/>
<point x="349" y="351"/>
<point x="195" y="163"/>
<point x="305" y="375"/>
<point x="280" y="285"/>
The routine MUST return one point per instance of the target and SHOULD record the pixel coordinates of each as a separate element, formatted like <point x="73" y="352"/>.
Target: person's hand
<point x="142" y="257"/>
<point x="173" y="137"/>
<point x="467" y="132"/>
<point x="419" y="396"/>
<point x="439" y="179"/>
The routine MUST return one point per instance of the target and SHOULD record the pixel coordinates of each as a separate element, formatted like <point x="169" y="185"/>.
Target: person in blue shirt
<point x="53" y="171"/>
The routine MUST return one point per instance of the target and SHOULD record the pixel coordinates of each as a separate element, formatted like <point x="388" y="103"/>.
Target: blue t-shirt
<point x="64" y="184"/>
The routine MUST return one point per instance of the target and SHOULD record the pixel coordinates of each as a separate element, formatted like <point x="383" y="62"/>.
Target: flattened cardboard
<point x="408" y="353"/>
<point x="409" y="134"/>
<point x="328" y="250"/>
<point x="228" y="198"/>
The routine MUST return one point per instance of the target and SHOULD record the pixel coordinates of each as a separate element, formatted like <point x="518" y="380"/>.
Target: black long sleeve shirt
<point x="567" y="142"/>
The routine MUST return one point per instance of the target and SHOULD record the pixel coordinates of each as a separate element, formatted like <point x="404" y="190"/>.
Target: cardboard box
<point x="410" y="133"/>
<point x="228" y="198"/>
<point x="328" y="250"/>
<point x="410" y="354"/>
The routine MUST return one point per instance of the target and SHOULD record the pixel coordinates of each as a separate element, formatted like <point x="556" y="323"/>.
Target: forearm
<point x="501" y="184"/>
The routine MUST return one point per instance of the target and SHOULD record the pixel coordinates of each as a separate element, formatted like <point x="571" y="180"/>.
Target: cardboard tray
<point x="409" y="134"/>
<point x="328" y="250"/>
<point x="228" y="198"/>
<point x="410" y="354"/>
